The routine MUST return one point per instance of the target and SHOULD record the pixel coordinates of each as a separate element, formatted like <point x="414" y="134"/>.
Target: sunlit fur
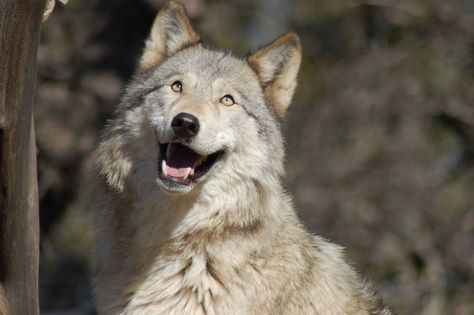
<point x="231" y="242"/>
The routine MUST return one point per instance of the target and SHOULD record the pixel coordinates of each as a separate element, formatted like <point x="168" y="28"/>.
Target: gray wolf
<point x="192" y="217"/>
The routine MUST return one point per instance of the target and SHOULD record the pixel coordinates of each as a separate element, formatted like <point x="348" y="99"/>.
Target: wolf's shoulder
<point x="332" y="278"/>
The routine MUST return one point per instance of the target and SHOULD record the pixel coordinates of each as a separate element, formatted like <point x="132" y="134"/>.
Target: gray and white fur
<point x="228" y="242"/>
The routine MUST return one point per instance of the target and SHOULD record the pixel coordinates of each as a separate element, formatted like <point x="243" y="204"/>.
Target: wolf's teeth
<point x="191" y="172"/>
<point x="164" y="168"/>
<point x="201" y="160"/>
<point x="188" y="170"/>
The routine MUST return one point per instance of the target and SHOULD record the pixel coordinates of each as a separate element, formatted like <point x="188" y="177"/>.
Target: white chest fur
<point x="185" y="284"/>
<point x="184" y="261"/>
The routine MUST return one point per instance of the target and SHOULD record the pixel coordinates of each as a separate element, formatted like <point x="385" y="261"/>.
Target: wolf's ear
<point x="277" y="66"/>
<point x="171" y="32"/>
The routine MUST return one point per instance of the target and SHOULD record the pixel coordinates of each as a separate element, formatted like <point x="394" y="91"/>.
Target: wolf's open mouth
<point x="178" y="164"/>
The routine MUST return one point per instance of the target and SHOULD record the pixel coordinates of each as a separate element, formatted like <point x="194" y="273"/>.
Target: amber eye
<point x="177" y="86"/>
<point x="227" y="100"/>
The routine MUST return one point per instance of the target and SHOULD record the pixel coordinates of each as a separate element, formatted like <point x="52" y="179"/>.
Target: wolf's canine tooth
<point x="188" y="171"/>
<point x="201" y="160"/>
<point x="163" y="167"/>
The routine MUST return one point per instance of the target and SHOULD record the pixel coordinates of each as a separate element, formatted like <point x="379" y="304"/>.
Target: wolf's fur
<point x="231" y="242"/>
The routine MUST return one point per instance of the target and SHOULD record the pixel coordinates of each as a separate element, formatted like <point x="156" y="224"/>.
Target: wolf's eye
<point x="227" y="100"/>
<point x="177" y="86"/>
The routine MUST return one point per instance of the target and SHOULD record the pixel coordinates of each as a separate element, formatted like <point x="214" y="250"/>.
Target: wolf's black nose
<point x="185" y="125"/>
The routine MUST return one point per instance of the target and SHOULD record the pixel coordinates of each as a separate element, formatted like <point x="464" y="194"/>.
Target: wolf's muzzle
<point x="185" y="125"/>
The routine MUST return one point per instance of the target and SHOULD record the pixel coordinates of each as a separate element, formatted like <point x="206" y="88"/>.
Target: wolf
<point x="192" y="217"/>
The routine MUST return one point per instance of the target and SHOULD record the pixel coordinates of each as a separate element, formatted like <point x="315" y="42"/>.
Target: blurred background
<point x="380" y="135"/>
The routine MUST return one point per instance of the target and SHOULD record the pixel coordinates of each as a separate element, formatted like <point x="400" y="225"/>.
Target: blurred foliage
<point x="380" y="134"/>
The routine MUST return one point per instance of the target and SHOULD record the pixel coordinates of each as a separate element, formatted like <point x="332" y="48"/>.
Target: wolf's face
<point x="206" y="108"/>
<point x="197" y="115"/>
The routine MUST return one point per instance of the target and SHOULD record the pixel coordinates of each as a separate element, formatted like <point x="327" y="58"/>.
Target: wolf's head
<point x="195" y="116"/>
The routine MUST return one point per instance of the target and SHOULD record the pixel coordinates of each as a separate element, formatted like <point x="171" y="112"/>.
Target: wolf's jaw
<point x="179" y="166"/>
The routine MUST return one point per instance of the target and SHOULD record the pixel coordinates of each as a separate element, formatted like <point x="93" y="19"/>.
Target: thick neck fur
<point x="193" y="235"/>
<point x="208" y="213"/>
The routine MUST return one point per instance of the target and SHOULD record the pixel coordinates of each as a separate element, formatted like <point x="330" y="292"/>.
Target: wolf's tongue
<point x="180" y="160"/>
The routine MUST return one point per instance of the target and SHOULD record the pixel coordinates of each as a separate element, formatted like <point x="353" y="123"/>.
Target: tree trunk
<point x="20" y="22"/>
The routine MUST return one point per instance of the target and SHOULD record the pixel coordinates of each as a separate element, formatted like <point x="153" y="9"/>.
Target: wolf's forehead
<point x="210" y="65"/>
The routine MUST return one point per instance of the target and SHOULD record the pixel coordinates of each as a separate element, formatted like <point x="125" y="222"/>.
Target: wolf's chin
<point x="179" y="167"/>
